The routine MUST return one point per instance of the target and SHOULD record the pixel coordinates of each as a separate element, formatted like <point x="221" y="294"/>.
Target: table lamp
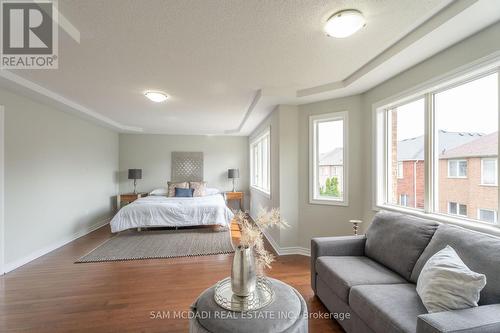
<point x="135" y="174"/>
<point x="233" y="174"/>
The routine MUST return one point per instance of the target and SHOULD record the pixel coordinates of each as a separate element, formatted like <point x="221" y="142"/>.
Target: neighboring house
<point x="468" y="184"/>
<point x="331" y="165"/>
<point x="408" y="180"/>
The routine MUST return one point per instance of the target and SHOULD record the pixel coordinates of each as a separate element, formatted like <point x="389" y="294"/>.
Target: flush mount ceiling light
<point x="156" y="96"/>
<point x="344" y="23"/>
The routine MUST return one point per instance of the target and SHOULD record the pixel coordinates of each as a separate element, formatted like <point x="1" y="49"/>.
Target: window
<point x="328" y="159"/>
<point x="406" y="146"/>
<point x="489" y="171"/>
<point x="457" y="209"/>
<point x="400" y="170"/>
<point x="487" y="215"/>
<point x="403" y="200"/>
<point x="457" y="169"/>
<point x="446" y="136"/>
<point x="260" y="162"/>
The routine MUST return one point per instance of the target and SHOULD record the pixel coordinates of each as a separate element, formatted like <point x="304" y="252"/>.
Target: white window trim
<point x="458" y="168"/>
<point x="495" y="218"/>
<point x="474" y="70"/>
<point x="313" y="158"/>
<point x="496" y="176"/>
<point x="265" y="132"/>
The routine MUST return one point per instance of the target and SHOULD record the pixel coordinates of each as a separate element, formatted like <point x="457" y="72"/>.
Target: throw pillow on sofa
<point x="446" y="283"/>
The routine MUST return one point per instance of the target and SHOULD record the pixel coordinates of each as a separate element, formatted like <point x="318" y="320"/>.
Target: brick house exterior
<point x="409" y="172"/>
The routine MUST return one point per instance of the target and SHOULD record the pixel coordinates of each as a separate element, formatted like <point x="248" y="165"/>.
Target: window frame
<point x="458" y="161"/>
<point x="427" y="91"/>
<point x="482" y="173"/>
<point x="457" y="206"/>
<point x="266" y="133"/>
<point x="314" y="158"/>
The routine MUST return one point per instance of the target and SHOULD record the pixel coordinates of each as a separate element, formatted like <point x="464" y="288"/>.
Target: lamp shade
<point x="134" y="173"/>
<point x="233" y="173"/>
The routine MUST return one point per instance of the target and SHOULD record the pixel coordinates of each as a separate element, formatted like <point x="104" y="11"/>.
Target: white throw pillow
<point x="159" y="191"/>
<point x="446" y="283"/>
<point x="211" y="191"/>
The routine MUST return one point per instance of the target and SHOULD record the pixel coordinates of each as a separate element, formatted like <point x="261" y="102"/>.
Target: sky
<point x="471" y="107"/>
<point x="330" y="135"/>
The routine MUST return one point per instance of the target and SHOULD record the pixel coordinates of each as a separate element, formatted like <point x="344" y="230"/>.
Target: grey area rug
<point x="130" y="245"/>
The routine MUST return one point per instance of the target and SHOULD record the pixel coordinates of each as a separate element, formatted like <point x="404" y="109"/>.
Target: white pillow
<point x="211" y="191"/>
<point x="446" y="283"/>
<point x="159" y="191"/>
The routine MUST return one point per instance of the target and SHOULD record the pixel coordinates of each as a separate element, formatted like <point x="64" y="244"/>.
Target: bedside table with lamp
<point x="234" y="195"/>
<point x="133" y="174"/>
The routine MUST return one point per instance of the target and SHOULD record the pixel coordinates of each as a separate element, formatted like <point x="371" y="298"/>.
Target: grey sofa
<point x="373" y="277"/>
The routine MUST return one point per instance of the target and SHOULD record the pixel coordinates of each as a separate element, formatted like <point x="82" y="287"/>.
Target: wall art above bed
<point x="187" y="166"/>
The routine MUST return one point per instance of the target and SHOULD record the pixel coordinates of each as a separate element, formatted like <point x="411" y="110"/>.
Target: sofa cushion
<point x="397" y="240"/>
<point x="342" y="273"/>
<point x="387" y="308"/>
<point x="480" y="252"/>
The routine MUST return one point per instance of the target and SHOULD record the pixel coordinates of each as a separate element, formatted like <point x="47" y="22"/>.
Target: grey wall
<point x="152" y="154"/>
<point x="60" y="177"/>
<point x="327" y="220"/>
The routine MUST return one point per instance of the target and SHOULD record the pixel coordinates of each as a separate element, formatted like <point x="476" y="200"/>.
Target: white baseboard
<point x="8" y="267"/>
<point x="284" y="251"/>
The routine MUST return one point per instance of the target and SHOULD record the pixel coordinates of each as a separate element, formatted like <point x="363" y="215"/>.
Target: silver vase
<point x="243" y="277"/>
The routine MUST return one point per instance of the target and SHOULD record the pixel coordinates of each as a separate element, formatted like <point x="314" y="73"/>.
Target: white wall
<point x="152" y="154"/>
<point x="60" y="177"/>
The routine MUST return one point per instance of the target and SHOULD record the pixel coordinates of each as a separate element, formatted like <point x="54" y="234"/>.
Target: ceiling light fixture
<point x="156" y="96"/>
<point x="344" y="23"/>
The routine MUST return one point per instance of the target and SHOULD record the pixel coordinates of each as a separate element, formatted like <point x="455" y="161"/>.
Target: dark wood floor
<point x="52" y="294"/>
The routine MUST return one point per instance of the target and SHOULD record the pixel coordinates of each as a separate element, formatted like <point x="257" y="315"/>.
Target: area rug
<point x="131" y="245"/>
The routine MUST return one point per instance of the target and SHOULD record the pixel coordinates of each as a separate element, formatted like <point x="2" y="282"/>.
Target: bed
<point x="162" y="211"/>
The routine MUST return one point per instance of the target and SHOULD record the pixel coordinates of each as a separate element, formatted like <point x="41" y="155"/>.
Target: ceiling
<point x="225" y="64"/>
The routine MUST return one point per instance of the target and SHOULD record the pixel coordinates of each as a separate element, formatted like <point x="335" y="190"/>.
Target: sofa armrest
<point x="481" y="319"/>
<point x="334" y="246"/>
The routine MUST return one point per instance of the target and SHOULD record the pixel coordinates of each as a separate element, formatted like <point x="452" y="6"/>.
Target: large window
<point x="446" y="138"/>
<point x="328" y="157"/>
<point x="260" y="162"/>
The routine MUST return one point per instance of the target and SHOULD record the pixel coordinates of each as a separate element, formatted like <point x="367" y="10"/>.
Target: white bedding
<point x="160" y="211"/>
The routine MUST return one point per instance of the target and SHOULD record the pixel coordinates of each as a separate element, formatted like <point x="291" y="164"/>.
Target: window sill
<point x="450" y="177"/>
<point x="328" y="202"/>
<point x="260" y="191"/>
<point x="489" y="185"/>
<point x="480" y="226"/>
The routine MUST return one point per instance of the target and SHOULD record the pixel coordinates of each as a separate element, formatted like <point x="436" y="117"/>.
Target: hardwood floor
<point x="52" y="294"/>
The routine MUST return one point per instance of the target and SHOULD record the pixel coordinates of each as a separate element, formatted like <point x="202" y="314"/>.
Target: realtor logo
<point x="29" y="34"/>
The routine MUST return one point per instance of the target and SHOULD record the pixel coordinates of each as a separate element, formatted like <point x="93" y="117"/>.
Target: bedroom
<point x="259" y="95"/>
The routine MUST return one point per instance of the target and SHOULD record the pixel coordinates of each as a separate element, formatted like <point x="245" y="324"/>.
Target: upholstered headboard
<point x="187" y="166"/>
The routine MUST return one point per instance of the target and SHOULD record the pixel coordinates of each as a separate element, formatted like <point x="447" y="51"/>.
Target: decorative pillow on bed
<point x="198" y="187"/>
<point x="211" y="191"/>
<point x="159" y="192"/>
<point x="183" y="192"/>
<point x="172" y="186"/>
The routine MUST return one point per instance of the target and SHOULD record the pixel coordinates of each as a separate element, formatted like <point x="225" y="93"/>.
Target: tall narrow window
<point x="260" y="163"/>
<point x="489" y="171"/>
<point x="406" y="154"/>
<point x="328" y="155"/>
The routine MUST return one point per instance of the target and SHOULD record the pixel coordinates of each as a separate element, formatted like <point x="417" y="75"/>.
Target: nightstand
<point x="128" y="198"/>
<point x="235" y="196"/>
